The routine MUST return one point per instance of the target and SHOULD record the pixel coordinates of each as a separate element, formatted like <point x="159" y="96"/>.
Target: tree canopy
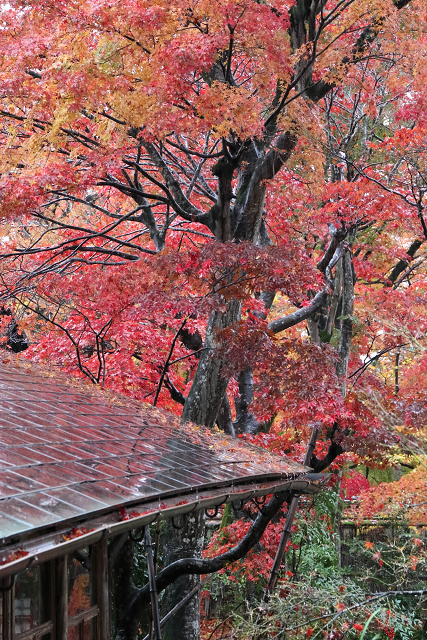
<point x="140" y="139"/>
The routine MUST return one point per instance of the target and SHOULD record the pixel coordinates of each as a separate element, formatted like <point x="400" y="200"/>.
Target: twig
<point x="190" y="355"/>
<point x="166" y="365"/>
<point x="361" y="370"/>
<point x="371" y="598"/>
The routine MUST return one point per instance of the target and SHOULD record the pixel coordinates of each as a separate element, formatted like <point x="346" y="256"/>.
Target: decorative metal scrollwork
<point x="237" y="505"/>
<point x="212" y="512"/>
<point x="134" y="538"/>
<point x="177" y="526"/>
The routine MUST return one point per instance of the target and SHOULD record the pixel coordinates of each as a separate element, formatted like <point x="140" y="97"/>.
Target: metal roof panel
<point x="68" y="451"/>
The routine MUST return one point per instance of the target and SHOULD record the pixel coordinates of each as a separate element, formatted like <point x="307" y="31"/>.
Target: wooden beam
<point x="8" y="607"/>
<point x="103" y="590"/>
<point x="61" y="604"/>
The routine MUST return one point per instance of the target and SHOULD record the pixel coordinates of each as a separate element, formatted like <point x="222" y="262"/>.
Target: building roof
<point x="73" y="455"/>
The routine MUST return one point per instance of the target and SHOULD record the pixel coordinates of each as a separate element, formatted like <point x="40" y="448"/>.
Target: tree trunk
<point x="245" y="421"/>
<point x="346" y="320"/>
<point x="224" y="419"/>
<point x="335" y="298"/>
<point x="123" y="592"/>
<point x="178" y="544"/>
<point x="207" y="391"/>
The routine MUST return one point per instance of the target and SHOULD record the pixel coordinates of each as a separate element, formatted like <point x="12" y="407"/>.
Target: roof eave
<point x="43" y="548"/>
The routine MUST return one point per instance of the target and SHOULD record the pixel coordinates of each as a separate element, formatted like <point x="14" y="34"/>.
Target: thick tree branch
<point x="180" y="203"/>
<point x="199" y="566"/>
<point x="403" y="264"/>
<point x="147" y="214"/>
<point x="298" y="316"/>
<point x="335" y="449"/>
<point x="337" y="237"/>
<point x="346" y="320"/>
<point x="175" y="393"/>
<point x="249" y="203"/>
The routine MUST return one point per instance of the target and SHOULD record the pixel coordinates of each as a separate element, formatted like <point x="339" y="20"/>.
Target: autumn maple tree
<point x="218" y="207"/>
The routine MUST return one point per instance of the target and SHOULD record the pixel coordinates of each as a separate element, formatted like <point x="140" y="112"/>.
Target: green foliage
<point x="317" y="598"/>
<point x="227" y="516"/>
<point x="332" y="608"/>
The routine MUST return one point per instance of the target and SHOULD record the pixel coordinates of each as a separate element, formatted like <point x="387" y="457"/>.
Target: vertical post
<point x="8" y="608"/>
<point x="61" y="608"/>
<point x="156" y="547"/>
<point x="286" y="533"/>
<point x="152" y="583"/>
<point x="155" y="562"/>
<point x="103" y="590"/>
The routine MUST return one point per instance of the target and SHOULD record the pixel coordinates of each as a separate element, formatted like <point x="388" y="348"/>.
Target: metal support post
<point x="152" y="583"/>
<point x="286" y="533"/>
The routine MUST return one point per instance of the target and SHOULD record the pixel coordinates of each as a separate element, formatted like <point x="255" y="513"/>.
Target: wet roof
<point x="67" y="452"/>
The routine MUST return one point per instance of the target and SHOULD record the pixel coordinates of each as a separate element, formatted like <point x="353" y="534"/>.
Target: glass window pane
<point x="74" y="632"/>
<point x="27" y="600"/>
<point x="86" y="630"/>
<point x="33" y="599"/>
<point x="79" y="585"/>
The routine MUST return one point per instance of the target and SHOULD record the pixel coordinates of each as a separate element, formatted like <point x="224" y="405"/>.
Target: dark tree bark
<point x="245" y="421"/>
<point x="209" y="385"/>
<point x="16" y="340"/>
<point x="335" y="449"/>
<point x="195" y="565"/>
<point x="178" y="545"/>
<point x="239" y="217"/>
<point x="224" y="419"/>
<point x="403" y="264"/>
<point x="346" y="320"/>
<point x="124" y="591"/>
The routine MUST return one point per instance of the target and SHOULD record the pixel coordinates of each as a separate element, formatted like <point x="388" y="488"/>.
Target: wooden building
<point x="79" y="467"/>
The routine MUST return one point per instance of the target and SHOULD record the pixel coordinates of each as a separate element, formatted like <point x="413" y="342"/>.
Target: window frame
<point x="59" y="621"/>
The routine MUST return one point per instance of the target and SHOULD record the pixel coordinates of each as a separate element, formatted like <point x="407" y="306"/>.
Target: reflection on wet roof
<point x="68" y="451"/>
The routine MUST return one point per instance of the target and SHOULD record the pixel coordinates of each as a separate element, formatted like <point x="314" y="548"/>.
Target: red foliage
<point x="353" y="484"/>
<point x="76" y="532"/>
<point x="129" y="515"/>
<point x="404" y="498"/>
<point x="114" y="167"/>
<point x="15" y="555"/>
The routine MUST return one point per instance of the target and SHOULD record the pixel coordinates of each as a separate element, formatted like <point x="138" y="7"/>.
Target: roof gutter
<point x="62" y="542"/>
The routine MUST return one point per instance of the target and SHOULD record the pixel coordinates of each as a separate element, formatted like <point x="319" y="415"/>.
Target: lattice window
<point x="63" y="598"/>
